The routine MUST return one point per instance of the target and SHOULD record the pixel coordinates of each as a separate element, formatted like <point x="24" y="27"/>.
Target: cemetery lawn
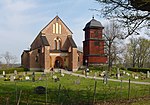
<point x="69" y="89"/>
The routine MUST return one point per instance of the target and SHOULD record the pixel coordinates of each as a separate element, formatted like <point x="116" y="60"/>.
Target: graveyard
<point x="55" y="87"/>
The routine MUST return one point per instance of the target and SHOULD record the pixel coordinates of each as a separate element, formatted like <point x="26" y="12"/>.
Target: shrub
<point x="11" y="70"/>
<point x="144" y="70"/>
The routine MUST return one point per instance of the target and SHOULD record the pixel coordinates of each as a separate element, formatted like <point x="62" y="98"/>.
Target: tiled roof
<point x="44" y="41"/>
<point x="94" y="24"/>
<point x="72" y="42"/>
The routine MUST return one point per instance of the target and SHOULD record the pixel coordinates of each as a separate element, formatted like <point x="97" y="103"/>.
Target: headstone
<point x="11" y="78"/>
<point x="4" y="74"/>
<point x="118" y="73"/>
<point x="127" y="74"/>
<point x="40" y="90"/>
<point x="148" y="74"/>
<point x="133" y="75"/>
<point x="136" y="77"/>
<point x="102" y="74"/>
<point x="15" y="72"/>
<point x="24" y="73"/>
<point x="62" y="74"/>
<point x="27" y="78"/>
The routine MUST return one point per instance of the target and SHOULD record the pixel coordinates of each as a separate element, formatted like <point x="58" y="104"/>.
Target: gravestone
<point x="148" y="74"/>
<point x="136" y="77"/>
<point x="127" y="74"/>
<point x="11" y="78"/>
<point x="124" y="72"/>
<point x="62" y="74"/>
<point x="40" y="90"/>
<point x="118" y="73"/>
<point x="24" y="73"/>
<point x="15" y="72"/>
<point x="27" y="78"/>
<point x="4" y="74"/>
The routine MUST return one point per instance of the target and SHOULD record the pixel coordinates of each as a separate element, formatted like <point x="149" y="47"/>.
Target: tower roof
<point x="93" y="24"/>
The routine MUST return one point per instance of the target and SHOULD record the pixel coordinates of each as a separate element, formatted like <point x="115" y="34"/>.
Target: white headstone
<point x="15" y="72"/>
<point x="27" y="78"/>
<point x="4" y="73"/>
<point x="136" y="77"/>
<point x="148" y="74"/>
<point x="118" y="73"/>
<point x="11" y="78"/>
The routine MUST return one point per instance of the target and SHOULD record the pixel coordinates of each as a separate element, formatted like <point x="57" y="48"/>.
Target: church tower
<point x="93" y="45"/>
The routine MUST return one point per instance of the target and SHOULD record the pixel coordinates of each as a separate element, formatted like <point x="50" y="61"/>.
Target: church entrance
<point x="58" y="62"/>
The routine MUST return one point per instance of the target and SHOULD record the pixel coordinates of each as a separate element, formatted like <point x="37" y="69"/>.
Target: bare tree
<point x="9" y="58"/>
<point x="131" y="20"/>
<point x="112" y="34"/>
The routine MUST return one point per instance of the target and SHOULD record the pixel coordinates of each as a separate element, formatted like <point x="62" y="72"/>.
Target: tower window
<point x="96" y="33"/>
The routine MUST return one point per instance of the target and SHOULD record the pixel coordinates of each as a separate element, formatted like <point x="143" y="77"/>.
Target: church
<point x="54" y="47"/>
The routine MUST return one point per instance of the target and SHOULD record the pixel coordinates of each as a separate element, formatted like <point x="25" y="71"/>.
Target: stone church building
<point x="54" y="47"/>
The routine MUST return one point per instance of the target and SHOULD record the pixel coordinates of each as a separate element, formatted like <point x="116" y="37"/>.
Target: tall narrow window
<point x="56" y="28"/>
<point x="59" y="29"/>
<point x="59" y="44"/>
<point x="53" y="28"/>
<point x="55" y="44"/>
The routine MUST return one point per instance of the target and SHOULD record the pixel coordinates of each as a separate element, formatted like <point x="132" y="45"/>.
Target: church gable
<point x="56" y="27"/>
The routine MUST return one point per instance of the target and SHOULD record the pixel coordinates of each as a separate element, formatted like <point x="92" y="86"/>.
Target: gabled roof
<point x="72" y="42"/>
<point x="44" y="41"/>
<point x="57" y="17"/>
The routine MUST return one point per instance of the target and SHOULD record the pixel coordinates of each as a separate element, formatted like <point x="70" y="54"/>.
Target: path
<point x="100" y="78"/>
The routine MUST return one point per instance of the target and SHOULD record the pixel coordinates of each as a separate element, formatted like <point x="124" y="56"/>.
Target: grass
<point x="67" y="91"/>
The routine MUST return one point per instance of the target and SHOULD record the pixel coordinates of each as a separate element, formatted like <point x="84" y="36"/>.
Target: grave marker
<point x="148" y="74"/>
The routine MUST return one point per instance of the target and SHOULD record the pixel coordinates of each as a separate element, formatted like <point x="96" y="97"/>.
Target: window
<point x="59" y="44"/>
<point x="96" y="33"/>
<point x="55" y="44"/>
<point x="59" y="29"/>
<point x="56" y="28"/>
<point x="53" y="28"/>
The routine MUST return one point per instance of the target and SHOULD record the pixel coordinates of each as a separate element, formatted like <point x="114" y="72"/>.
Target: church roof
<point x="44" y="41"/>
<point x="93" y="24"/>
<point x="73" y="44"/>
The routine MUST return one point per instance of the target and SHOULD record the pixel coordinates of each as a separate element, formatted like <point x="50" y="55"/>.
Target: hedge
<point x="11" y="70"/>
<point x="144" y="70"/>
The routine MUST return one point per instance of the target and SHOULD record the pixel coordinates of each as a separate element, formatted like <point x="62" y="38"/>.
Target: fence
<point x="74" y="92"/>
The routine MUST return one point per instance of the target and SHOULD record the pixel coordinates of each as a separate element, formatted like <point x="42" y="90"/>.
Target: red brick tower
<point x="93" y="45"/>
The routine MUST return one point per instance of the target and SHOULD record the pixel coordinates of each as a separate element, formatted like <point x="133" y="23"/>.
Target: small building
<point x="53" y="47"/>
<point x="94" y="44"/>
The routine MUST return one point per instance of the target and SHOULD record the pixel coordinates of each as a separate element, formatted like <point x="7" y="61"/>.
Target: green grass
<point x="66" y="91"/>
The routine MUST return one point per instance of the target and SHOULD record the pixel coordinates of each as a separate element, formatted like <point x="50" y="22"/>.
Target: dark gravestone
<point x="40" y="90"/>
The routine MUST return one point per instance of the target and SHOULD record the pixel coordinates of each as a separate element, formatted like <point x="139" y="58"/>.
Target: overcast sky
<point x="22" y="20"/>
